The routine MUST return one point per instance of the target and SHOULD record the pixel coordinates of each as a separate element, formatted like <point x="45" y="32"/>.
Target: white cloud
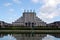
<point x="48" y="16"/>
<point x="52" y="2"/>
<point x="17" y="1"/>
<point x="50" y="9"/>
<point x="7" y="4"/>
<point x="48" y="12"/>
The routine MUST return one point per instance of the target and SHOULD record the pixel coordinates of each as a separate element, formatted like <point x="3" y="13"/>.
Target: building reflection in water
<point x="48" y="37"/>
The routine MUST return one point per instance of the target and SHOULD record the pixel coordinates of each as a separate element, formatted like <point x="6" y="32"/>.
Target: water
<point x="8" y="37"/>
<point x="48" y="37"/>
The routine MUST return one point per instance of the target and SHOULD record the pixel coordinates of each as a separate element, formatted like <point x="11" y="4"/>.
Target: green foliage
<point x="30" y="28"/>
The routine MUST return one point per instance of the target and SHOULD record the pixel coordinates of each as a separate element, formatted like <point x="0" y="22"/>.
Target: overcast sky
<point x="47" y="10"/>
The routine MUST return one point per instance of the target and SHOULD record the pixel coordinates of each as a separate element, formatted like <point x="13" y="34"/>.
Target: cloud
<point x="17" y="1"/>
<point x="48" y="16"/>
<point x="49" y="37"/>
<point x="49" y="9"/>
<point x="7" y="4"/>
<point x="48" y="12"/>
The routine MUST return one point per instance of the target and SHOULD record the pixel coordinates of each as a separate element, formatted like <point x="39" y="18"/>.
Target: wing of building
<point x="4" y="24"/>
<point x="29" y="19"/>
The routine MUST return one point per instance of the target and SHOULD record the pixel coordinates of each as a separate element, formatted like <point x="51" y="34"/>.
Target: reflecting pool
<point x="10" y="37"/>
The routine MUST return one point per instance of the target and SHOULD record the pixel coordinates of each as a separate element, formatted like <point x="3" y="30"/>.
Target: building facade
<point x="29" y="19"/>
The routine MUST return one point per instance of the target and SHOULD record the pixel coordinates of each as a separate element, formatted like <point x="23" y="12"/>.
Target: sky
<point x="10" y="37"/>
<point x="47" y="10"/>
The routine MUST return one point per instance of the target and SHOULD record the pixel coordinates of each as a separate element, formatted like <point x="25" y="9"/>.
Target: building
<point x="54" y="24"/>
<point x="4" y="24"/>
<point x="29" y="19"/>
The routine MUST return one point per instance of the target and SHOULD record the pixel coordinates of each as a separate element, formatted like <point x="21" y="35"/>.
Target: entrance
<point x="29" y="24"/>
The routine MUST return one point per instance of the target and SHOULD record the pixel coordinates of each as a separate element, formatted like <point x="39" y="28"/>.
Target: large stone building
<point x="29" y="19"/>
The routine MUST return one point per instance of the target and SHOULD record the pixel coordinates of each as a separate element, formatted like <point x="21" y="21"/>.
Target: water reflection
<point x="8" y="37"/>
<point x="48" y="37"/>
